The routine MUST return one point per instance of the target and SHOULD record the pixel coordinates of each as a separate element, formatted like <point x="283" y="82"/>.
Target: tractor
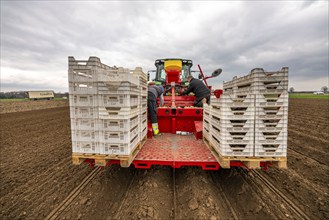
<point x="178" y="114"/>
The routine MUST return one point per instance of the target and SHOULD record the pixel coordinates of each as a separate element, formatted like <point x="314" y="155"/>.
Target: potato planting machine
<point x="181" y="141"/>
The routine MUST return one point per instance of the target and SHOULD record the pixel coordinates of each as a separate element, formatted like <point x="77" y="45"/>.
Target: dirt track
<point x="36" y="175"/>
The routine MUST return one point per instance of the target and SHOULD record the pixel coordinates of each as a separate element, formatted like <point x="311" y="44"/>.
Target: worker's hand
<point x="191" y="94"/>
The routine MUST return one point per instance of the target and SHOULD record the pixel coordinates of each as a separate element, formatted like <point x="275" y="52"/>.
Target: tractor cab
<point x="172" y="70"/>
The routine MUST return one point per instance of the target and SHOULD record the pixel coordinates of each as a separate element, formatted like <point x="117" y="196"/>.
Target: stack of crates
<point x="271" y="118"/>
<point x="142" y="101"/>
<point x="232" y="124"/>
<point x="250" y="118"/>
<point x="104" y="108"/>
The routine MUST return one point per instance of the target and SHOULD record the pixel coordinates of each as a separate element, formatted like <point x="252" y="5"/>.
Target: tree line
<point x="323" y="89"/>
<point x="23" y="95"/>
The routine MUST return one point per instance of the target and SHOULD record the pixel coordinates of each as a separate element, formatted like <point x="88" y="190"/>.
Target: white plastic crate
<point x="234" y="98"/>
<point x="119" y="148"/>
<point x="206" y="108"/>
<point x="258" y="81"/>
<point x="85" y="147"/>
<point x="271" y="104"/>
<point x="234" y="113"/>
<point x="244" y="81"/>
<point x="215" y="120"/>
<point x="118" y="100"/>
<point x="143" y="116"/>
<point x="206" y="133"/>
<point x="226" y="103"/>
<point x="206" y="111"/>
<point x="118" y="125"/>
<point x="271" y="143"/>
<point x="138" y="71"/>
<point x="232" y="132"/>
<point x="263" y="100"/>
<point x="142" y="107"/>
<point x="142" y="113"/>
<point x="91" y="62"/>
<point x="237" y="129"/>
<point x="83" y="100"/>
<point x="142" y="99"/>
<point x="84" y="112"/>
<point x="142" y="120"/>
<point x="84" y="135"/>
<point x="215" y="131"/>
<point x="236" y="149"/>
<point x="82" y="75"/>
<point x="256" y="75"/>
<point x="206" y="116"/>
<point x="214" y="110"/>
<point x="267" y="86"/>
<point x="117" y="113"/>
<point x="118" y="137"/>
<point x="143" y="90"/>
<point x="281" y="111"/>
<point x="239" y="90"/>
<point x="142" y="84"/>
<point x="268" y="79"/>
<point x="271" y="150"/>
<point x="143" y="133"/>
<point x="271" y="123"/>
<point x="235" y="137"/>
<point x="265" y="137"/>
<point x="258" y="88"/>
<point x="89" y="88"/>
<point x="117" y="76"/>
<point x="235" y="123"/>
<point x="206" y="123"/>
<point x="142" y="126"/>
<point x="122" y="88"/>
<point x="84" y="124"/>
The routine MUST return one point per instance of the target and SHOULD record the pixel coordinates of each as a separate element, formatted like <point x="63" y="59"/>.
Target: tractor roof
<point x="187" y="61"/>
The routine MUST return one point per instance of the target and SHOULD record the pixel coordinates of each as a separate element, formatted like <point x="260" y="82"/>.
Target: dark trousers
<point x="152" y="107"/>
<point x="199" y="103"/>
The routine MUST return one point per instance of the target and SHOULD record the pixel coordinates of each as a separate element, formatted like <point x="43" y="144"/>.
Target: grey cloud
<point x="38" y="36"/>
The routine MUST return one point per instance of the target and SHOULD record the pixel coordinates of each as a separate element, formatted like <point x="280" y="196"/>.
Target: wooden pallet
<point x="250" y="162"/>
<point x="102" y="160"/>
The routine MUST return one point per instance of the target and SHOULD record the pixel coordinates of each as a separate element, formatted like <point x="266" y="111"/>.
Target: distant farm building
<point x="40" y="95"/>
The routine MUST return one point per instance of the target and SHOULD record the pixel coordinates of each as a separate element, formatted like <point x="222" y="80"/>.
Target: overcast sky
<point x="38" y="36"/>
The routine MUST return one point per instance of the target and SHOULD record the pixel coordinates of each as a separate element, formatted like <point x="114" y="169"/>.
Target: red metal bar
<point x="173" y="125"/>
<point x="147" y="164"/>
<point x="173" y="104"/>
<point x="204" y="79"/>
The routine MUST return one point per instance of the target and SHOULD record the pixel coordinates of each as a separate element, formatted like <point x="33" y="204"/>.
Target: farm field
<point x="308" y="96"/>
<point x="37" y="174"/>
<point x="20" y="105"/>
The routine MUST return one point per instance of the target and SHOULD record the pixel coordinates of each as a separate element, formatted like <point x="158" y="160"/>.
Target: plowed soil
<point x="37" y="174"/>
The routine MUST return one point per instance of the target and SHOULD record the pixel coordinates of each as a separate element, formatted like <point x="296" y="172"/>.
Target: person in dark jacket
<point x="202" y="93"/>
<point x="154" y="92"/>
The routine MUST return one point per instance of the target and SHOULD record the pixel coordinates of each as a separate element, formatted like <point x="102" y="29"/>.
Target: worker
<point x="202" y="93"/>
<point x="154" y="92"/>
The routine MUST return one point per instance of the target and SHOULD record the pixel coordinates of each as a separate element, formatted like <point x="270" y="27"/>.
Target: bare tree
<point x="324" y="89"/>
<point x="292" y="89"/>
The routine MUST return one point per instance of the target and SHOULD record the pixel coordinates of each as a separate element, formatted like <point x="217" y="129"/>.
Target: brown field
<point x="37" y="174"/>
